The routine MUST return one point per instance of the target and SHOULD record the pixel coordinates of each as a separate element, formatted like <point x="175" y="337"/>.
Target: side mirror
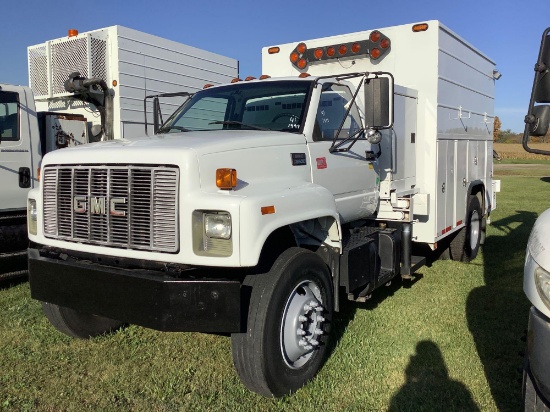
<point x="538" y="117"/>
<point x="379" y="101"/>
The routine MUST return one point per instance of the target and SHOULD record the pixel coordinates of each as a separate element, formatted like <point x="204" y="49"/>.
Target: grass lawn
<point x="449" y="340"/>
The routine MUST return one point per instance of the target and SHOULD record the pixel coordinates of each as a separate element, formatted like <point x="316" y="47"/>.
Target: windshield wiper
<point x="168" y="128"/>
<point x="234" y="122"/>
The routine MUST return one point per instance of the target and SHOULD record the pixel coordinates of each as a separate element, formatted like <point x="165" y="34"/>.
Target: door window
<point x="9" y="116"/>
<point x="332" y="109"/>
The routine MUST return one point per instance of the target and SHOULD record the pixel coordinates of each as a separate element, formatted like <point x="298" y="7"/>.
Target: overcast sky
<point x="507" y="31"/>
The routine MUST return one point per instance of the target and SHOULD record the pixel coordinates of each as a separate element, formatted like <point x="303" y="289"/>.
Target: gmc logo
<point x="98" y="205"/>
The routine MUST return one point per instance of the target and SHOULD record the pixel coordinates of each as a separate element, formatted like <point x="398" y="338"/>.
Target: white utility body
<point x="260" y="204"/>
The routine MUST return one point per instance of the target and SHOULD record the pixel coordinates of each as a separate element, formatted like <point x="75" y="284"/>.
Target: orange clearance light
<point x="73" y="32"/>
<point x="375" y="36"/>
<point x="207" y="85"/>
<point x="235" y="80"/>
<point x="301" y="48"/>
<point x="294" y="57"/>
<point x="226" y="178"/>
<point x="115" y="83"/>
<point x="265" y="76"/>
<point x="304" y="74"/>
<point x="249" y="78"/>
<point x="355" y="47"/>
<point x="420" y="27"/>
<point x="375" y="53"/>
<point x="342" y="49"/>
<point x="330" y="51"/>
<point x="38" y="170"/>
<point x="273" y="50"/>
<point x="385" y="43"/>
<point x="318" y="53"/>
<point x="268" y="210"/>
<point x="302" y="63"/>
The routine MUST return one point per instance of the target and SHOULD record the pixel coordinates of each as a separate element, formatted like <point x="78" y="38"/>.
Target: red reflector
<point x="459" y="223"/>
<point x="375" y="53"/>
<point x="375" y="36"/>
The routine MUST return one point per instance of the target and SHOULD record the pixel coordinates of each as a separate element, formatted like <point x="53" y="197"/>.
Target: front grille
<point x="134" y="207"/>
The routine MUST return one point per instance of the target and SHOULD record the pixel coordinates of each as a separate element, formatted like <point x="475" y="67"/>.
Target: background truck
<point x="86" y="87"/>
<point x="536" y="279"/>
<point x="260" y="204"/>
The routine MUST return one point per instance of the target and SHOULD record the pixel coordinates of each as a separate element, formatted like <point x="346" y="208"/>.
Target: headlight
<point x="217" y="226"/>
<point x="542" y="280"/>
<point x="212" y="233"/>
<point x="32" y="217"/>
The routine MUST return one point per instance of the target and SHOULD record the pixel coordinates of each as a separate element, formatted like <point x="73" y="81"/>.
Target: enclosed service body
<point x="260" y="204"/>
<point x="133" y="65"/>
<point x="442" y="151"/>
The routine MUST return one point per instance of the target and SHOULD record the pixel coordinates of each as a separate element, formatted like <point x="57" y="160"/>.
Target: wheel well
<point x="479" y="190"/>
<point x="276" y="243"/>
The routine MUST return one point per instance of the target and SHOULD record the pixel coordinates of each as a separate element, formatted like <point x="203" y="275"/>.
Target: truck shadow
<point x="497" y="312"/>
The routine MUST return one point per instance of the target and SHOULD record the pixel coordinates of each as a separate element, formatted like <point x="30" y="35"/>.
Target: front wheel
<point x="76" y="324"/>
<point x="288" y="324"/>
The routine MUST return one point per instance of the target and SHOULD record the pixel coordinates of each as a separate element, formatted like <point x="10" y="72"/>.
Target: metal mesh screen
<point x="67" y="57"/>
<point x="38" y="69"/>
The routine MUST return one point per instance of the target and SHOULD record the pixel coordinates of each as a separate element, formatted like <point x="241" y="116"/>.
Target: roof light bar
<point x="376" y="46"/>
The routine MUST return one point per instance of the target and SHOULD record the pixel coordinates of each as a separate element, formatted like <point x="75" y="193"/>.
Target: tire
<point x="76" y="324"/>
<point x="288" y="324"/>
<point x="531" y="399"/>
<point x="465" y="245"/>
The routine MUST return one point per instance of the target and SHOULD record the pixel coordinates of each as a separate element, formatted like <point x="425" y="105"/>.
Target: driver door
<point x="348" y="175"/>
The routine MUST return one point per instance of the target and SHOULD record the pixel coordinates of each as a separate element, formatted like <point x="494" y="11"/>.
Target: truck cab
<point x="536" y="280"/>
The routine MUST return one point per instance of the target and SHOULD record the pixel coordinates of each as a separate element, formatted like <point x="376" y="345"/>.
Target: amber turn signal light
<point x="226" y="178"/>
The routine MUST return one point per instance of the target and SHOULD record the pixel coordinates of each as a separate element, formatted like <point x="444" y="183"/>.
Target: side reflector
<point x="273" y="50"/>
<point x="420" y="27"/>
<point x="38" y="171"/>
<point x="268" y="210"/>
<point x="226" y="178"/>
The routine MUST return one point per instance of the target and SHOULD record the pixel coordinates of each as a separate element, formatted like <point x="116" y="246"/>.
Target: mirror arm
<point x="336" y="146"/>
<point x="350" y="105"/>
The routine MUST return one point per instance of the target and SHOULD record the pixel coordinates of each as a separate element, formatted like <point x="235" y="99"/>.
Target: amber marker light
<point x="355" y="48"/>
<point x="375" y="53"/>
<point x="302" y="75"/>
<point x="265" y="76"/>
<point x="301" y="48"/>
<point x="226" y="178"/>
<point x="115" y="83"/>
<point x="249" y="78"/>
<point x="318" y="53"/>
<point x="302" y="63"/>
<point x="385" y="43"/>
<point x="273" y="50"/>
<point x="73" y="32"/>
<point x="375" y="36"/>
<point x="38" y="171"/>
<point x="330" y="51"/>
<point x="207" y="85"/>
<point x="294" y="57"/>
<point x="420" y="27"/>
<point x="342" y="49"/>
<point x="235" y="80"/>
<point x="268" y="210"/>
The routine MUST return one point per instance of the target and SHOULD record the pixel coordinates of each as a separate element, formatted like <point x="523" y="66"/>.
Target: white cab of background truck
<point x="129" y="64"/>
<point x="260" y="204"/>
<point x="536" y="277"/>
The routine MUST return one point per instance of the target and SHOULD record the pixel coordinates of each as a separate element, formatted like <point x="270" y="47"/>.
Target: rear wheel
<point x="465" y="245"/>
<point x="288" y="324"/>
<point x="76" y="324"/>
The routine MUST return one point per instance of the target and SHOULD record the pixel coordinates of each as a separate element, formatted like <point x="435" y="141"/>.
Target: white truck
<point x="260" y="204"/>
<point x="87" y="87"/>
<point x="536" y="277"/>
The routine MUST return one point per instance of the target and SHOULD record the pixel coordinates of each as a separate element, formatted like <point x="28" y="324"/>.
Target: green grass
<point x="447" y="341"/>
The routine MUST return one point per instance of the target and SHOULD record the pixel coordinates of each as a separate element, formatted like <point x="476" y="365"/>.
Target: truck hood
<point x="165" y="147"/>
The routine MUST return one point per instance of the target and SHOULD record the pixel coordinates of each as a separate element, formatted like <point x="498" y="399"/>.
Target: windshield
<point x="278" y="106"/>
